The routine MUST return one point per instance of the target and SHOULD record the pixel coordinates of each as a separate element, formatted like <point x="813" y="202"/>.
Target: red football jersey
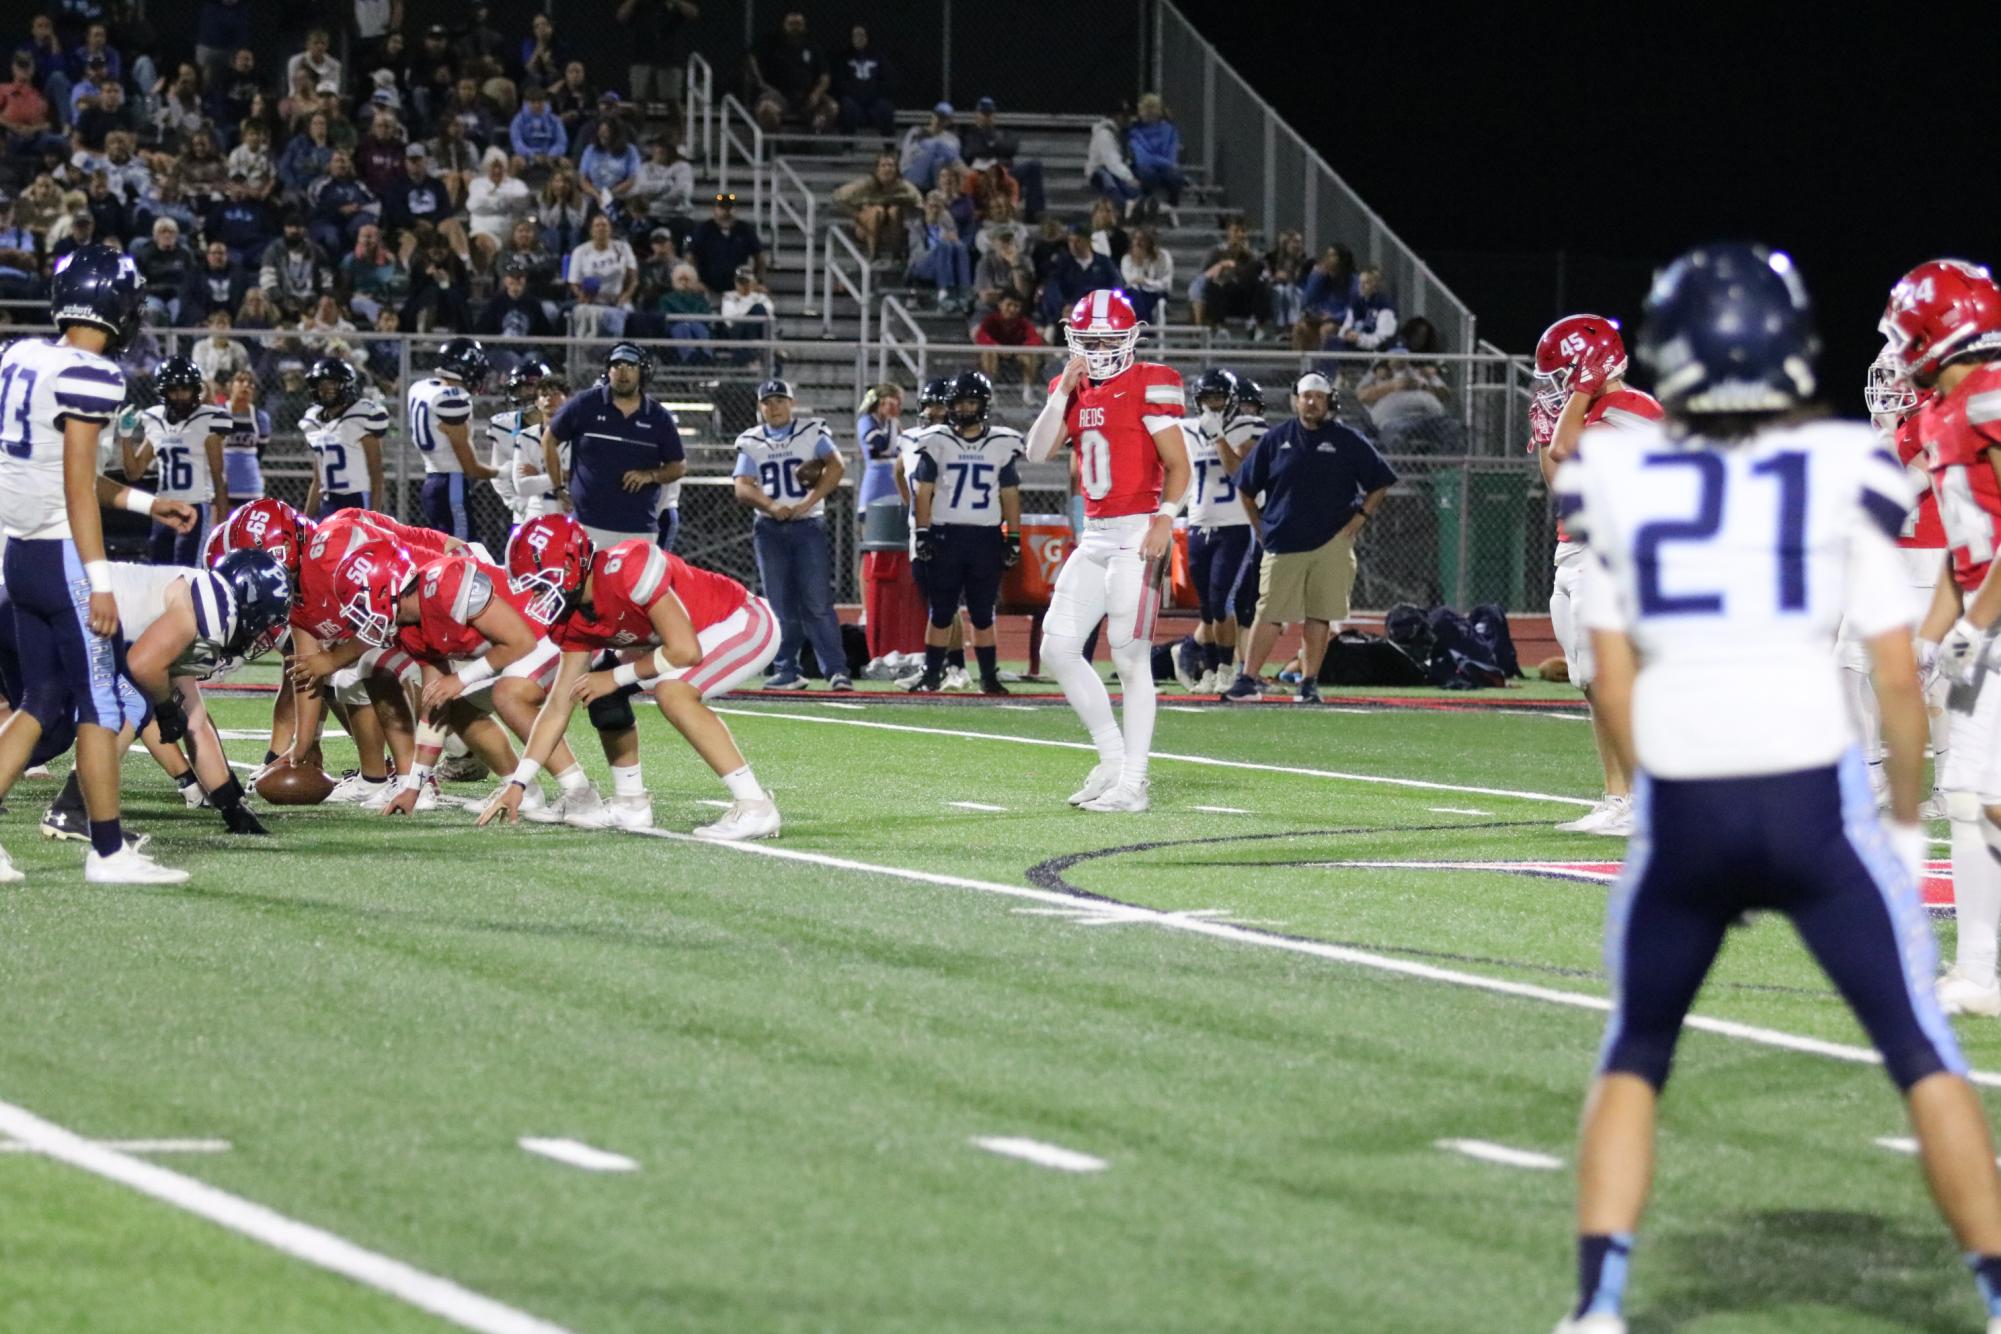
<point x="421" y="542"/>
<point x="1621" y="410"/>
<point x="625" y="583"/>
<point x="451" y="592"/>
<point x="1924" y="530"/>
<point x="316" y="610"/>
<point x="1955" y="432"/>
<point x="1118" y="465"/>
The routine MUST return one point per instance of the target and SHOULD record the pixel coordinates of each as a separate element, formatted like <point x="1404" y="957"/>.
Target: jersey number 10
<point x="1788" y="471"/>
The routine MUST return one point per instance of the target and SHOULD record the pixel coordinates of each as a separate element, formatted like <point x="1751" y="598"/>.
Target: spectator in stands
<point x="865" y="85"/>
<point x="480" y="47"/>
<point x="96" y="49"/>
<point x="378" y="156"/>
<point x="181" y="112"/>
<point x="1007" y="326"/>
<point x="562" y="210"/>
<point x="1001" y="221"/>
<point x="51" y="64"/>
<point x="454" y="159"/>
<point x="1001" y="269"/>
<point x="685" y="307"/>
<point x="416" y="203"/>
<point x="666" y="186"/>
<point x="1155" y="144"/>
<point x="242" y="222"/>
<point x="494" y="202"/>
<point x="984" y="141"/>
<point x="68" y="233"/>
<point x="105" y="114"/>
<point x="1371" y="321"/>
<point x="1149" y="275"/>
<point x="1324" y="298"/>
<point x="201" y="171"/>
<point x="525" y="247"/>
<point x="324" y="324"/>
<point x="939" y="257"/>
<point x="1228" y="287"/>
<point x="17" y="238"/>
<point x="537" y="135"/>
<point x="748" y="311"/>
<point x="603" y="274"/>
<point x="1051" y="243"/>
<point x="222" y="28"/>
<point x="608" y="167"/>
<point x="107" y="209"/>
<point x="431" y="73"/>
<point x="879" y="204"/>
<point x="928" y="147"/>
<point x="513" y="312"/>
<point x="164" y="202"/>
<point x="218" y="357"/>
<point x="787" y="78"/>
<point x="317" y="59"/>
<point x="40" y="205"/>
<point x="656" y="268"/>
<point x="217" y="284"/>
<point x="952" y="183"/>
<point x="340" y="204"/>
<point x="573" y="99"/>
<point x="1406" y="398"/>
<point x="374" y="22"/>
<point x="437" y="292"/>
<point x="372" y="275"/>
<point x="722" y="245"/>
<point x="1286" y="267"/>
<point x="542" y="56"/>
<point x="659" y="40"/>
<point x="471" y="110"/>
<point x="251" y="159"/>
<point x="305" y="159"/>
<point x="1080" y="270"/>
<point x="1107" y="237"/>
<point x="24" y="113"/>
<point x="293" y="272"/>
<point x="232" y="90"/>
<point x="165" y="264"/>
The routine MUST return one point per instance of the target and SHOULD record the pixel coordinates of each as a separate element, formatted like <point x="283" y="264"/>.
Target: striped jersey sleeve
<point x="373" y="419"/>
<point x="214" y="607"/>
<point x="1885" y="495"/>
<point x="452" y="405"/>
<point x="211" y="419"/>
<point x="651" y="579"/>
<point x="90" y="392"/>
<point x="1164" y="395"/>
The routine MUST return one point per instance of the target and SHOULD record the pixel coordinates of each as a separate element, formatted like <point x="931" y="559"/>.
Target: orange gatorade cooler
<point x="1182" y="583"/>
<point x="1045" y="543"/>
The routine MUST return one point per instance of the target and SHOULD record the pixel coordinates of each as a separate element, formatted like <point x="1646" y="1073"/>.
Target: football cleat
<point x="1100" y="782"/>
<point x="785" y="681"/>
<point x="1588" y="822"/>
<point x="37" y="771"/>
<point x="353" y="788"/>
<point x="840" y="681"/>
<point x="1620" y="823"/>
<point x="1126" y="798"/>
<point x="1244" y="690"/>
<point x="923" y="683"/>
<point x="467" y="768"/>
<point x="1592" y="1324"/>
<point x="128" y="866"/>
<point x="242" y="820"/>
<point x="744" y="820"/>
<point x="956" y="679"/>
<point x="10" y="873"/>
<point x="1309" y="693"/>
<point x="1184" y="664"/>
<point x="67" y="824"/>
<point x="1962" y="995"/>
<point x="631" y="812"/>
<point x="1206" y="684"/>
<point x="427" y="799"/>
<point x="991" y="685"/>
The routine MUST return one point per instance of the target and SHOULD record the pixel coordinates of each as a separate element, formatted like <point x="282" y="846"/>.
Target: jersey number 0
<point x="1094" y="463"/>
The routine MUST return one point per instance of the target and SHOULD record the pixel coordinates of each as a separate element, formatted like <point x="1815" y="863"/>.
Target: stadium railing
<point x="793" y="198"/>
<point x="699" y="110"/>
<point x="739" y="135"/>
<point x="851" y="271"/>
<point x="899" y="336"/>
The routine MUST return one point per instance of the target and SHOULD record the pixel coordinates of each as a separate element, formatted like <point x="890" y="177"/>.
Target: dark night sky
<point x="1491" y="139"/>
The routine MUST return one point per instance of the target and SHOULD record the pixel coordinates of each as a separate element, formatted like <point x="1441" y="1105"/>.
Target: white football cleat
<point x="37" y="771"/>
<point x="427" y="796"/>
<point x="745" y="820"/>
<point x="1588" y="822"/>
<point x="1932" y="807"/>
<point x="1126" y="798"/>
<point x="355" y="790"/>
<point x="129" y="866"/>
<point x="1205" y="684"/>
<point x="1960" y="995"/>
<point x="1621" y="822"/>
<point x="10" y="873"/>
<point x="1099" y="783"/>
<point x="1592" y="1324"/>
<point x="957" y="679"/>
<point x="540" y="810"/>
<point x="632" y="812"/>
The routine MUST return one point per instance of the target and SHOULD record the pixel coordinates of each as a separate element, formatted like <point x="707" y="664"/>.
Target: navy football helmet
<point x="180" y="386"/>
<point x="972" y="385"/>
<point x="1218" y="382"/>
<point x="938" y="391"/>
<point x="527" y="377"/>
<point x="98" y="285"/>
<point x="1729" y="328"/>
<point x="333" y="384"/>
<point x="465" y="358"/>
<point x="1250" y="398"/>
<point x="263" y="598"/>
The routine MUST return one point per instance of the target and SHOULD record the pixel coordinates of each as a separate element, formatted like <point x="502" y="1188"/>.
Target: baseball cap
<point x="774" y="388"/>
<point x="329" y="86"/>
<point x="382" y="97"/>
<point x="660" y="234"/>
<point x="607" y="96"/>
<point x="626" y="354"/>
<point x="1313" y="382"/>
<point x="516" y="266"/>
<point x="985" y="104"/>
<point x="93" y="61"/>
<point x="942" y="109"/>
<point x="744" y="272"/>
<point x="415" y="149"/>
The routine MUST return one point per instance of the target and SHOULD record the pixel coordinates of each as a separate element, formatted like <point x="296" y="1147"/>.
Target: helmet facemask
<point x="1106" y="354"/>
<point x="1888" y="391"/>
<point x="1552" y="390"/>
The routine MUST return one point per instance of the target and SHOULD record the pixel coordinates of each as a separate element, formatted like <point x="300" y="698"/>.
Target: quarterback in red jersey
<point x="1580" y="369"/>
<point x="1943" y="324"/>
<point x="1123" y="417"/>
<point x="707" y="635"/>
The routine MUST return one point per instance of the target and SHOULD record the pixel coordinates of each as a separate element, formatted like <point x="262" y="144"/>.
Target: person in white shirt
<point x="182" y="436"/>
<point x="317" y="60"/>
<point x="439" y="410"/>
<point x="514" y="441"/>
<point x="495" y="200"/>
<point x="603" y="274"/>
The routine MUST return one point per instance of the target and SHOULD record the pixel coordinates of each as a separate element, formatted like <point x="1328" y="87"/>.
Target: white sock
<point x="743" y="785"/>
<point x="573" y="779"/>
<point x="626" y="782"/>
<point x="1135" y="664"/>
<point x="1976" y="892"/>
<point x="1064" y="657"/>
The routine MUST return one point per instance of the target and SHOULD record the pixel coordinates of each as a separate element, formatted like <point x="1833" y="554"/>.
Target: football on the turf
<point x="1554" y="669"/>
<point x="295" y="786"/>
<point x="810" y="470"/>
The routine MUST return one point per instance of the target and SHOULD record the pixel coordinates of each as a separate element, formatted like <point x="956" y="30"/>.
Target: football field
<point x="1302" y="1048"/>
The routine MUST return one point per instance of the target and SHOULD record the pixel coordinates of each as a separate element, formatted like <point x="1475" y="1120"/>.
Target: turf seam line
<point x="576" y="1153"/>
<point x="1041" y="1153"/>
<point x="1489" y="1152"/>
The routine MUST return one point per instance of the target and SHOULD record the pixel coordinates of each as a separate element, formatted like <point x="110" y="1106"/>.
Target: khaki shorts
<point x="1307" y="585"/>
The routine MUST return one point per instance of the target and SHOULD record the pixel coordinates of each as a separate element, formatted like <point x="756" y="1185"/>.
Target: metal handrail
<point x="888" y="344"/>
<point x="782" y="175"/>
<point x="700" y="103"/>
<point x="835" y="272"/>
<point x="752" y="153"/>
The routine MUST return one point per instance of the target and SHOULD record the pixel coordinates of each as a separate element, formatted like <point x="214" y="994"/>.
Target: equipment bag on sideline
<point x="1490" y="627"/>
<point x="1358" y="658"/>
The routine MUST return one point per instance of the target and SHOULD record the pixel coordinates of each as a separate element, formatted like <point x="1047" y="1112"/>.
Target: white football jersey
<point x="1212" y="490"/>
<point x="44" y="384"/>
<point x="1731" y="567"/>
<point x="435" y="403"/>
<point x="906" y="449"/>
<point x="180" y="450"/>
<point x="141" y="594"/>
<point x="774" y="457"/>
<point x="514" y="448"/>
<point x="966" y="476"/>
<point x="339" y="460"/>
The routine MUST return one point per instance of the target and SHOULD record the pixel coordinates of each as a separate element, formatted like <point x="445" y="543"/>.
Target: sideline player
<point x="56" y="395"/>
<point x="1580" y="371"/>
<point x="184" y="436"/>
<point x="708" y="636"/>
<point x="1123" y="417"/>
<point x="343" y="431"/>
<point x="439" y="411"/>
<point x="933" y="404"/>
<point x="1723" y="551"/>
<point x="968" y="485"/>
<point x="1943" y="321"/>
<point x="244" y="445"/>
<point x="1223" y="558"/>
<point x="514" y="442"/>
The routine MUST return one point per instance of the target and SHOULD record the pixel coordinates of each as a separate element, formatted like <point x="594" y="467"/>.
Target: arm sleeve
<point x="824" y="448"/>
<point x="927" y="467"/>
<point x="670" y="442"/>
<point x="1251" y="472"/>
<point x="564" y="424"/>
<point x="375" y="418"/>
<point x="1375" y="472"/>
<point x="1010" y="474"/>
<point x="744" y="466"/>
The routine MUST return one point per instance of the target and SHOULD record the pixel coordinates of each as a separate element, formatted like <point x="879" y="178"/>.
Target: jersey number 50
<point x="1789" y="534"/>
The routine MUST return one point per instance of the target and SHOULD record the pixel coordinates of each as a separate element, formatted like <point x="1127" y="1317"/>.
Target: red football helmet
<point x="1577" y="354"/>
<point x="215" y="546"/>
<point x="269" y="525"/>
<point x="1942" y="309"/>
<point x="1103" y="330"/>
<point x="549" y="556"/>
<point x="367" y="586"/>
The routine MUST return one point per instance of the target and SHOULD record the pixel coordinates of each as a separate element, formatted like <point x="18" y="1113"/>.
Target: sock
<point x="185" y="781"/>
<point x="573" y="779"/>
<point x="934" y="660"/>
<point x="270" y="755"/>
<point x="626" y="782"/>
<point x="1135" y="665"/>
<point x="1987" y="1277"/>
<point x="1214" y="656"/>
<point x="1976" y="891"/>
<point x="227" y="797"/>
<point x="106" y="838"/>
<point x="1064" y="658"/>
<point x="989" y="656"/>
<point x="956" y="657"/>
<point x="71" y="797"/>
<point x="743" y="785"/>
<point x="1602" y="1260"/>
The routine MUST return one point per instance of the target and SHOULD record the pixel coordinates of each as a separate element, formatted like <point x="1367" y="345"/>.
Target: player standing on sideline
<point x="1124" y="419"/>
<point x="243" y="446"/>
<point x="1222" y="559"/>
<point x="1943" y="321"/>
<point x="514" y="437"/>
<point x="967" y="487"/>
<point x="440" y="420"/>
<point x="933" y="401"/>
<point x="55" y="397"/>
<point x="1723" y="551"/>
<point x="344" y="433"/>
<point x="184" y="436"/>
<point x="1580" y="371"/>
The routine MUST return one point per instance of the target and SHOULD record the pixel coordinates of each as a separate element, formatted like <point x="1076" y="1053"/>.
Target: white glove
<point x="1959" y="651"/>
<point x="1927" y="665"/>
<point x="1910" y="843"/>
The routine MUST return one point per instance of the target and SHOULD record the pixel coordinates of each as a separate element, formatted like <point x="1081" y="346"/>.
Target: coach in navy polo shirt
<point x="1309" y="485"/>
<point x="623" y="448"/>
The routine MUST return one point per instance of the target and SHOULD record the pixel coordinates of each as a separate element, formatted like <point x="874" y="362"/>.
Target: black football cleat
<point x="242" y="820"/>
<point x="66" y="823"/>
<point x="991" y="685"/>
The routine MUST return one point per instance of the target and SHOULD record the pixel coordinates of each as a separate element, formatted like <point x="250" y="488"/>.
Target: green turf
<point x="374" y="1012"/>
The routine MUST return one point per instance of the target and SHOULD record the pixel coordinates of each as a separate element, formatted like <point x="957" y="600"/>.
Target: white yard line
<point x="1455" y="810"/>
<point x="840" y="704"/>
<point x="1897" y="1144"/>
<point x="427" y="1292"/>
<point x="1500" y="1153"/>
<point x="1210" y="761"/>
<point x="975" y="806"/>
<point x="1019" y="708"/>
<point x="1546" y="713"/>
<point x="1221" y="810"/>
<point x="578" y="1154"/>
<point x="1053" y="1156"/>
<point x="1181" y="708"/>
<point x="134" y="1146"/>
<point x="264" y="734"/>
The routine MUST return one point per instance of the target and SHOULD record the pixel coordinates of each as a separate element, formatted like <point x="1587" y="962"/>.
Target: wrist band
<point x="475" y="671"/>
<point x="1168" y="509"/>
<point x="99" y="572"/>
<point x="625" y="674"/>
<point x="525" y="771"/>
<point x="137" y="501"/>
<point x="414" y="780"/>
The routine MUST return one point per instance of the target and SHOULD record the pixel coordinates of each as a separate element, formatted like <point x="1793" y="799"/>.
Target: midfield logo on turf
<point x="1937" y="886"/>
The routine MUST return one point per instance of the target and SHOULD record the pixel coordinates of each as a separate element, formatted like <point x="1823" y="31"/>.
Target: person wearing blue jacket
<point x="340" y="204"/>
<point x="1155" y="145"/>
<point x="536" y="133"/>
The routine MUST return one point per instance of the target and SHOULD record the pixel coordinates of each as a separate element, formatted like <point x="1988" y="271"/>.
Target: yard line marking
<point x="135" y="1146"/>
<point x="1208" y="760"/>
<point x="1456" y="810"/>
<point x="1221" y="810"/>
<point x="427" y="1292"/>
<point x="1204" y="926"/>
<point x="975" y="806"/>
<point x="1500" y="1153"/>
<point x="716" y="802"/>
<point x="1018" y="708"/>
<point x="834" y="704"/>
<point x="1902" y="1144"/>
<point x="1053" y="1156"/>
<point x="1335" y="708"/>
<point x="264" y="734"/>
<point x="1181" y="708"/>
<point x="578" y="1154"/>
<point x="1546" y="713"/>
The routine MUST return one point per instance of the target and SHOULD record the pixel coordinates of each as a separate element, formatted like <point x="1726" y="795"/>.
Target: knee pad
<point x="1962" y="806"/>
<point x="49" y="705"/>
<point x="1133" y="659"/>
<point x="612" y="713"/>
<point x="1062" y="646"/>
<point x="982" y="619"/>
